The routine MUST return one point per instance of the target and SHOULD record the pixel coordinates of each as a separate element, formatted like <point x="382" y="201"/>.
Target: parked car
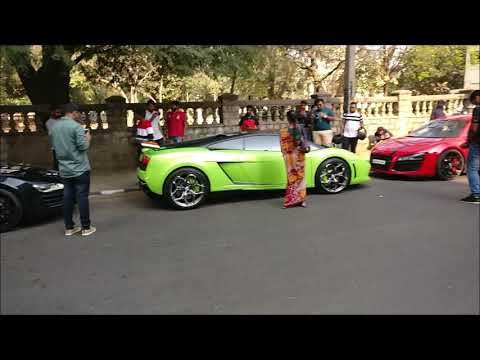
<point x="184" y="174"/>
<point x="27" y="194"/>
<point x="437" y="149"/>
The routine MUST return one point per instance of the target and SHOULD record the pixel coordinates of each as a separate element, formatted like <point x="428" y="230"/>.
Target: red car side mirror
<point x="464" y="145"/>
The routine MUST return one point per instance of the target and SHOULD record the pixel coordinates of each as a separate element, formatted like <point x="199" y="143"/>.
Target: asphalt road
<point x="389" y="247"/>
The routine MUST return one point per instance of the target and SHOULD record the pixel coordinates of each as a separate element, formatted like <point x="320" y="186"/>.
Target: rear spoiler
<point x="150" y="145"/>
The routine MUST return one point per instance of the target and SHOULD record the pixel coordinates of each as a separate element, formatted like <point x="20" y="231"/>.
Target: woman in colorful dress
<point x="293" y="150"/>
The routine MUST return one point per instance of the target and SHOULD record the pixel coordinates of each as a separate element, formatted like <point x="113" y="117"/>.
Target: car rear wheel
<point x="332" y="176"/>
<point x="11" y="211"/>
<point x="450" y="164"/>
<point x="186" y="189"/>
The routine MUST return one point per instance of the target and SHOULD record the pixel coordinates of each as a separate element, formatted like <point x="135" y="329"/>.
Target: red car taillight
<point x="144" y="160"/>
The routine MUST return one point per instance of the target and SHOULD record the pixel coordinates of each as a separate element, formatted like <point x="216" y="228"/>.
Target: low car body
<point x="28" y="194"/>
<point x="437" y="149"/>
<point x="251" y="161"/>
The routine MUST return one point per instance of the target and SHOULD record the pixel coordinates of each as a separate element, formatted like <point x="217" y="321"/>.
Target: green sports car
<point x="184" y="174"/>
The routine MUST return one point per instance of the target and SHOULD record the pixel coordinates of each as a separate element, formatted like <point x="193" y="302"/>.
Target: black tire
<point x="450" y="164"/>
<point x="194" y="181"/>
<point x="11" y="210"/>
<point x="339" y="181"/>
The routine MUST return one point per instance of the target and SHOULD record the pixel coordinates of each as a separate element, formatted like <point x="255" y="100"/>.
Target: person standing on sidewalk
<point x="322" y="129"/>
<point x="438" y="112"/>
<point x="176" y="121"/>
<point x="55" y="115"/>
<point x="153" y="116"/>
<point x="473" y="160"/>
<point x="304" y="121"/>
<point x="353" y="121"/>
<point x="71" y="142"/>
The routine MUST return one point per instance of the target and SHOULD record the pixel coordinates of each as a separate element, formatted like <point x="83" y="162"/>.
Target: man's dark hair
<point x="474" y="94"/>
<point x="139" y="113"/>
<point x="251" y="107"/>
<point x="303" y="102"/>
<point x="291" y="116"/>
<point x="176" y="103"/>
<point x="353" y="103"/>
<point x="70" y="107"/>
<point x="317" y="100"/>
<point x="151" y="102"/>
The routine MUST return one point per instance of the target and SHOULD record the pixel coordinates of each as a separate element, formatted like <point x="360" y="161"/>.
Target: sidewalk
<point x="108" y="183"/>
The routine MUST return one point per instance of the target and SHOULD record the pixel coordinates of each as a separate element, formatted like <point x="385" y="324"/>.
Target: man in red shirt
<point x="176" y="121"/>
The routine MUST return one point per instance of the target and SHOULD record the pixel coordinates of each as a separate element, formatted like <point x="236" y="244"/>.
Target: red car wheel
<point x="450" y="164"/>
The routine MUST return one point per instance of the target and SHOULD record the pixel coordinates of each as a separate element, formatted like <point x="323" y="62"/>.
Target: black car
<point x="28" y="193"/>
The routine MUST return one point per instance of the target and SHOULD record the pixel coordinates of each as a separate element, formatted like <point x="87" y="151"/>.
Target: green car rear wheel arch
<point x="333" y="176"/>
<point x="186" y="188"/>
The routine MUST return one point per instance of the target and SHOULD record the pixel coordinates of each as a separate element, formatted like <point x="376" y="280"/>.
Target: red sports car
<point x="438" y="148"/>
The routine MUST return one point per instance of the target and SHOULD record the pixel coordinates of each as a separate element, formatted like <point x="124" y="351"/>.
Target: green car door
<point x="263" y="161"/>
<point x="257" y="160"/>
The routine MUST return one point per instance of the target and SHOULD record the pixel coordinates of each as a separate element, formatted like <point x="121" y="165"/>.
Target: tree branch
<point x="333" y="70"/>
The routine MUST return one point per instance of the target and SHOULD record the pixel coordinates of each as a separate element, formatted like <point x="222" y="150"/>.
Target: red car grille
<point x="388" y="160"/>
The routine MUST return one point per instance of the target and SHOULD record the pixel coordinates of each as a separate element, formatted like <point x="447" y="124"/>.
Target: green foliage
<point x="91" y="73"/>
<point x="434" y="69"/>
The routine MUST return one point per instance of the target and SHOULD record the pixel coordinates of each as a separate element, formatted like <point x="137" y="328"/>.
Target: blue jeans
<point x="76" y="188"/>
<point x="176" y="139"/>
<point x="473" y="168"/>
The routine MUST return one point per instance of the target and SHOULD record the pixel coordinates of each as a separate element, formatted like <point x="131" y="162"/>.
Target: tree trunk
<point x="50" y="84"/>
<point x="234" y="79"/>
<point x="160" y="92"/>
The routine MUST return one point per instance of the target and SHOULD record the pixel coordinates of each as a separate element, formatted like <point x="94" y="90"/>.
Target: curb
<point x="114" y="191"/>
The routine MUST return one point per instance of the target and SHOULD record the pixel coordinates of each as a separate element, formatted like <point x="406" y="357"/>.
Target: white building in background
<point x="472" y="71"/>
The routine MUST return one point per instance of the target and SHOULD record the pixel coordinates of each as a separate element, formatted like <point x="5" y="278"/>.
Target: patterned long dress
<point x="290" y="141"/>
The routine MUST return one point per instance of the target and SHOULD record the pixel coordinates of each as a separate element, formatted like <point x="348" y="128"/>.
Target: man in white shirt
<point x="153" y="115"/>
<point x="353" y="121"/>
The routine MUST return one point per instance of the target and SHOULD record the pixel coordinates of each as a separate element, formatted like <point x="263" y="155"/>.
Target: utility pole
<point x="349" y="77"/>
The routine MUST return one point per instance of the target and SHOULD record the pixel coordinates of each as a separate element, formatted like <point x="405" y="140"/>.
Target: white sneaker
<point x="75" y="230"/>
<point x="90" y="231"/>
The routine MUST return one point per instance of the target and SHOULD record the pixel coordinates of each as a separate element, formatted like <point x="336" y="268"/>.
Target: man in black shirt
<point x="303" y="120"/>
<point x="473" y="161"/>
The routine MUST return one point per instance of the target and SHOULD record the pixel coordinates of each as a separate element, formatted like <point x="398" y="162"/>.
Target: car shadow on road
<point x="403" y="178"/>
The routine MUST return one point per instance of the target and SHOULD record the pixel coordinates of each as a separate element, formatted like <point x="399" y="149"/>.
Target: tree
<point x="44" y="70"/>
<point x="138" y="70"/>
<point x="434" y="69"/>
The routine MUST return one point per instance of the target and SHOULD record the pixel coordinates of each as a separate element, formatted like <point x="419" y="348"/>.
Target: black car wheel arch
<point x="11" y="210"/>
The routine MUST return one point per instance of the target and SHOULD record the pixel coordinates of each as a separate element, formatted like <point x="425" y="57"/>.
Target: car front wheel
<point x="11" y="211"/>
<point x="333" y="176"/>
<point x="186" y="189"/>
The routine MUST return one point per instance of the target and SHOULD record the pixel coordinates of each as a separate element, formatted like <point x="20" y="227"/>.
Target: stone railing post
<point x="116" y="116"/>
<point x="229" y="112"/>
<point x="404" y="110"/>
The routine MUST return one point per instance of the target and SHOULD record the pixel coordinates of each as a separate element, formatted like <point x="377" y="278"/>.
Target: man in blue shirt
<point x="71" y="143"/>
<point x="322" y="130"/>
